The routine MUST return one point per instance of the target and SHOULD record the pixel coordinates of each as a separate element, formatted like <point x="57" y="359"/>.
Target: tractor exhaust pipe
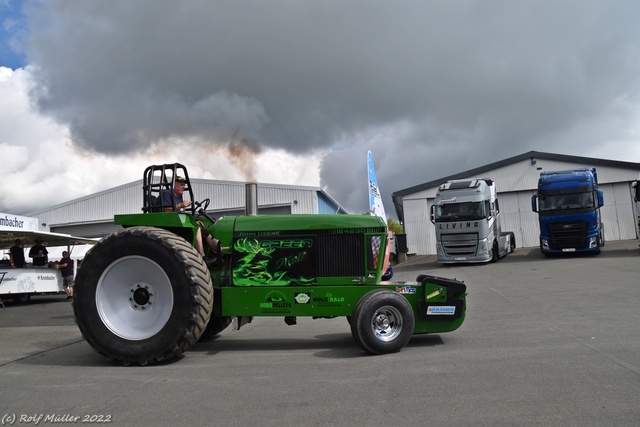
<point x="251" y="193"/>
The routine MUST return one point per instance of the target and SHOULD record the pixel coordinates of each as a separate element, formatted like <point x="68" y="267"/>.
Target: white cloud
<point x="16" y="157"/>
<point x="43" y="168"/>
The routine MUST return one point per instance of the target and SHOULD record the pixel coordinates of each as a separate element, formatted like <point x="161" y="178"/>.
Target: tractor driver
<point x="169" y="199"/>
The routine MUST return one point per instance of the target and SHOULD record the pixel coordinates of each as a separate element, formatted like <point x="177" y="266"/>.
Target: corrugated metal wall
<point x="517" y="217"/>
<point x="516" y="183"/>
<point x="92" y="216"/>
<point x="420" y="231"/>
<point x="617" y="212"/>
<point x="226" y="195"/>
<point x="96" y="207"/>
<point x="325" y="206"/>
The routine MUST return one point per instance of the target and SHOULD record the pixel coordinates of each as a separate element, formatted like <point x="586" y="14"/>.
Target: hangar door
<point x="517" y="216"/>
<point x="421" y="239"/>
<point x="617" y="212"/>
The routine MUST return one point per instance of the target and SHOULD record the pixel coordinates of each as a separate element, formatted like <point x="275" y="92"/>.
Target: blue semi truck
<point x="568" y="205"/>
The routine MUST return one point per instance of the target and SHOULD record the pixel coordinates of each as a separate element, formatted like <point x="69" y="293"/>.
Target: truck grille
<point x="571" y="234"/>
<point x="460" y="244"/>
<point x="340" y="255"/>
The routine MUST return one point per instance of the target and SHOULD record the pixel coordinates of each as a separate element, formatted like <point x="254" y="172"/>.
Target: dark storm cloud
<point x="468" y="81"/>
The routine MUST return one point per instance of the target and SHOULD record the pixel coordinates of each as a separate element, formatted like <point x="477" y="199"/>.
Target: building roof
<point x="127" y="198"/>
<point x="397" y="195"/>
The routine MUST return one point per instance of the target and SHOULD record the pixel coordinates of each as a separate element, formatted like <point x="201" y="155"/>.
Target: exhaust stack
<point x="251" y="193"/>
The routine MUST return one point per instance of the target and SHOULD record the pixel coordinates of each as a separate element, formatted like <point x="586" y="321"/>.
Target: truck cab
<point x="466" y="214"/>
<point x="568" y="205"/>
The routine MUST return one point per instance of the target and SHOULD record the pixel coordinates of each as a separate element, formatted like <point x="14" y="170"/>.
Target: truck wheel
<point x="143" y="295"/>
<point x="382" y="322"/>
<point x="495" y="254"/>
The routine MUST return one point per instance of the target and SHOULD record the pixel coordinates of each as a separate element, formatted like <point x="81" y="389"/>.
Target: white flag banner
<point x="376" y="208"/>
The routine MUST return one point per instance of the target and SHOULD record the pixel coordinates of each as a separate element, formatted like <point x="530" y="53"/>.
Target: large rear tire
<point x="215" y="326"/>
<point x="382" y="322"/>
<point x="142" y="295"/>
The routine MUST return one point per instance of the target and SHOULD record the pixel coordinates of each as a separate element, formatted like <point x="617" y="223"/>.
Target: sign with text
<point x="30" y="280"/>
<point x="9" y="222"/>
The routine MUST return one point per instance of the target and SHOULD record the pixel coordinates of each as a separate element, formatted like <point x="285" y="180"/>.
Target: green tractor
<point x="145" y="294"/>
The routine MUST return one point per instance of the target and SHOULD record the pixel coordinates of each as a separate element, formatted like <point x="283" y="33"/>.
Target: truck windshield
<point x="459" y="211"/>
<point x="566" y="201"/>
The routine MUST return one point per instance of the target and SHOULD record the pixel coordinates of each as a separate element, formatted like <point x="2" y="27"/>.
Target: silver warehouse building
<point x="516" y="181"/>
<point x="92" y="215"/>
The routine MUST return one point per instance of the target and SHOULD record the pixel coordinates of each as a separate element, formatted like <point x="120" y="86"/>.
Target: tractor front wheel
<point x="142" y="295"/>
<point x="382" y="322"/>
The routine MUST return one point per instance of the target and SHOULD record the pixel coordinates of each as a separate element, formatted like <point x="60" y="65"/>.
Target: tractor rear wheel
<point x="142" y="295"/>
<point x="382" y="322"/>
<point x="215" y="326"/>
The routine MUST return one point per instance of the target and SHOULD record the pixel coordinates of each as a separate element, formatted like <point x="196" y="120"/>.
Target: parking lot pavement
<point x="552" y="342"/>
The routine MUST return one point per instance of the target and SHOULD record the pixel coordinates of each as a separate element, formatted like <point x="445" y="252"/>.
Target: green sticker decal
<point x="274" y="261"/>
<point x="328" y="300"/>
<point x="302" y="298"/>
<point x="275" y="302"/>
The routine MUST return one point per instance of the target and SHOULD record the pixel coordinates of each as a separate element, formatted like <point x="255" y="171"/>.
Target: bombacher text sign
<point x="9" y="222"/>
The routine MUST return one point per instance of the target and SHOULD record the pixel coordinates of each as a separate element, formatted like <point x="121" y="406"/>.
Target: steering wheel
<point x="201" y="209"/>
<point x="204" y="204"/>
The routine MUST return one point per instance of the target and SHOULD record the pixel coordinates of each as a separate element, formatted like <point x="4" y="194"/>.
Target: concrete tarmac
<point x="546" y="342"/>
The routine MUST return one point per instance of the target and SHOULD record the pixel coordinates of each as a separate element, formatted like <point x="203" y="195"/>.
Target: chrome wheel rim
<point x="386" y="323"/>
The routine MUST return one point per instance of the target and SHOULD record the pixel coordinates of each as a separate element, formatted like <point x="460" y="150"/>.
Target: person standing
<point x="16" y="255"/>
<point x="39" y="254"/>
<point x="66" y="267"/>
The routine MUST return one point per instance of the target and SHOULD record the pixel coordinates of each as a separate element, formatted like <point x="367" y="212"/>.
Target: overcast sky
<point x="297" y="92"/>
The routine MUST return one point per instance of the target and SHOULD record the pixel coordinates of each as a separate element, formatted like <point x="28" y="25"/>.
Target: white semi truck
<point x="468" y="223"/>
